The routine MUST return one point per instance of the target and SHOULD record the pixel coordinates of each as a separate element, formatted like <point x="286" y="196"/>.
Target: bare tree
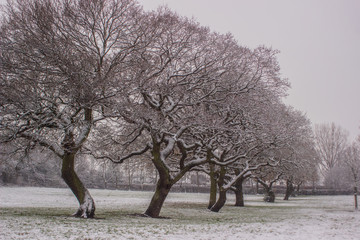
<point x="243" y="135"/>
<point x="330" y="144"/>
<point x="170" y="77"/>
<point x="289" y="134"/>
<point x="59" y="61"/>
<point x="182" y="80"/>
<point x="352" y="163"/>
<point x="304" y="169"/>
<point x="302" y="154"/>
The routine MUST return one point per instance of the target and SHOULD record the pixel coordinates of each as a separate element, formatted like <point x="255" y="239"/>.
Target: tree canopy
<point x="107" y="79"/>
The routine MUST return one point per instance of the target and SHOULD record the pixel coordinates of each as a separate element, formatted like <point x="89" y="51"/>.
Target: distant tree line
<point x="104" y="90"/>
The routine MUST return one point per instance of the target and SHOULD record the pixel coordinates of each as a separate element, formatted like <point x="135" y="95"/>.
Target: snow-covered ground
<point x="44" y="213"/>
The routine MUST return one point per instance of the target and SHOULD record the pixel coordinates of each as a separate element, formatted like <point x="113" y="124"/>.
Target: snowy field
<point x="43" y="213"/>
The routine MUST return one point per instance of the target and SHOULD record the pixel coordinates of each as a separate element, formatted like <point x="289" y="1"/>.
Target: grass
<point x="324" y="217"/>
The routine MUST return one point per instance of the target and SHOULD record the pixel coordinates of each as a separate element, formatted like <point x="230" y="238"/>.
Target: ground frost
<point x="40" y="217"/>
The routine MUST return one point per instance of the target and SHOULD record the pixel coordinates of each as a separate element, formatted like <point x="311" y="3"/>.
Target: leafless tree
<point x="352" y="164"/>
<point x="236" y="146"/>
<point x="330" y="144"/>
<point x="303" y="156"/>
<point x="290" y="136"/>
<point x="169" y="78"/>
<point x="59" y="61"/>
<point x="182" y="80"/>
<point x="107" y="79"/>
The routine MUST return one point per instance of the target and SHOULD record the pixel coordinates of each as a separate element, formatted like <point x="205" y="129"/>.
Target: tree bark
<point x="87" y="205"/>
<point x="213" y="187"/>
<point x="289" y="189"/>
<point x="222" y="192"/>
<point x="298" y="188"/>
<point x="355" y="198"/>
<point x="166" y="179"/>
<point x="269" y="196"/>
<point x="163" y="185"/>
<point x="220" y="202"/>
<point x="162" y="190"/>
<point x="239" y="194"/>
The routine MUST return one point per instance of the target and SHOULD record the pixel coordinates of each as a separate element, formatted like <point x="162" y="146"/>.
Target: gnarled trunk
<point x="162" y="190"/>
<point x="222" y="192"/>
<point x="87" y="205"/>
<point x="220" y="202"/>
<point x="166" y="179"/>
<point x="238" y="190"/>
<point x="289" y="189"/>
<point x="269" y="196"/>
<point x="163" y="185"/>
<point x="213" y="187"/>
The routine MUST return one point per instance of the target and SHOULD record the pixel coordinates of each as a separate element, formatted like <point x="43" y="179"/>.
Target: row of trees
<point x="106" y="79"/>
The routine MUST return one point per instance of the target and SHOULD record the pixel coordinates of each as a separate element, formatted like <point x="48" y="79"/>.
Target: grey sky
<point x="319" y="42"/>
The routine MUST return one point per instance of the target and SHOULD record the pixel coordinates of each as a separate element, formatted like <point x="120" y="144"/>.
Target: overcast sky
<point x="319" y="41"/>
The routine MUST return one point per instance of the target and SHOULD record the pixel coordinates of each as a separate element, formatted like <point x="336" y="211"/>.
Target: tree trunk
<point x="239" y="195"/>
<point x="289" y="189"/>
<point x="269" y="196"/>
<point x="222" y="192"/>
<point x="298" y="188"/>
<point x="313" y="187"/>
<point x="213" y="187"/>
<point x="220" y="202"/>
<point x="87" y="205"/>
<point x="355" y="198"/>
<point x="158" y="199"/>
<point x="163" y="185"/>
